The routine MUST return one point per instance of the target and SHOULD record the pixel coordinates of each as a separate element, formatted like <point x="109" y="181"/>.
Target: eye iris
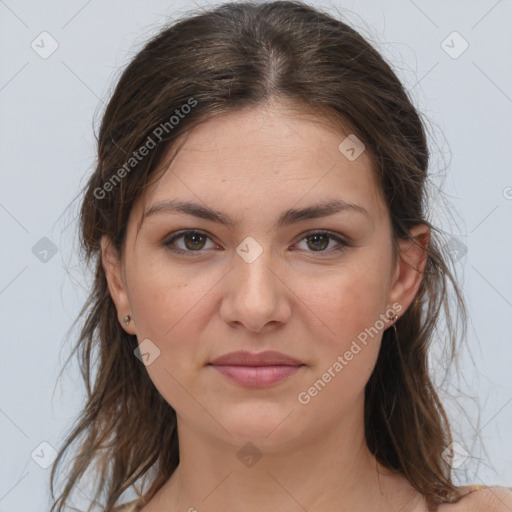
<point x="316" y="237"/>
<point x="194" y="237"/>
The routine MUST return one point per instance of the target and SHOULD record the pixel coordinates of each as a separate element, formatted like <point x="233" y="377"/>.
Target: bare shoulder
<point x="485" y="499"/>
<point x="133" y="506"/>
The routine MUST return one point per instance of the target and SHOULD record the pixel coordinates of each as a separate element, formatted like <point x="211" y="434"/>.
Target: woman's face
<point x="262" y="284"/>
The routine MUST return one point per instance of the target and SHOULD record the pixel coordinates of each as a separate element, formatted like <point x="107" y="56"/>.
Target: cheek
<point x="347" y="302"/>
<point x="165" y="296"/>
<point x="168" y="308"/>
<point x="350" y="304"/>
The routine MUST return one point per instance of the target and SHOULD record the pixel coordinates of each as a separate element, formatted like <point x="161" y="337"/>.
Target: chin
<point x="269" y="428"/>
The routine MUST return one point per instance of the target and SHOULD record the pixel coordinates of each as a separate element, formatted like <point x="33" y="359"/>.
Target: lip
<point x="245" y="358"/>
<point x="256" y="376"/>
<point x="256" y="370"/>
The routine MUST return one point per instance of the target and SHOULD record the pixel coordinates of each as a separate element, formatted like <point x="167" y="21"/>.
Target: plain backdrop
<point x="59" y="61"/>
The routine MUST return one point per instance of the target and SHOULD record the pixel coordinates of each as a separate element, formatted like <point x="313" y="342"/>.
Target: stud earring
<point x="127" y="319"/>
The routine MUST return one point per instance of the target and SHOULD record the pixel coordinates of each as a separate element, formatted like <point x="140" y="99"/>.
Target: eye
<point x="193" y="240"/>
<point x="320" y="240"/>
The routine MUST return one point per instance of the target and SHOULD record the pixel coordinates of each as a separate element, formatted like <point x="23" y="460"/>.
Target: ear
<point x="412" y="259"/>
<point x="114" y="272"/>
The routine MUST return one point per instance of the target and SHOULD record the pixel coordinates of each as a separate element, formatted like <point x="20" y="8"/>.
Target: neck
<point x="330" y="471"/>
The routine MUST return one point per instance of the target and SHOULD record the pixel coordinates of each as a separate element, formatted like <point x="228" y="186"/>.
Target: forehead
<point x="263" y="158"/>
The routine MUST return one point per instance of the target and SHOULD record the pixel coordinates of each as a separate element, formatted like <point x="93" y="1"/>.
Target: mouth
<point x="256" y="370"/>
<point x="256" y="376"/>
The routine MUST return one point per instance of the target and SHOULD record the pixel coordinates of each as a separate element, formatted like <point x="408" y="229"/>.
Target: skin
<point x="253" y="165"/>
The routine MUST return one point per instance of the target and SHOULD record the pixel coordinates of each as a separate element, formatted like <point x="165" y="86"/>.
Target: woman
<point x="267" y="284"/>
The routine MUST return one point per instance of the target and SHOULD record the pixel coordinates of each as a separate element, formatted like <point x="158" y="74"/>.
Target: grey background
<point x="47" y="148"/>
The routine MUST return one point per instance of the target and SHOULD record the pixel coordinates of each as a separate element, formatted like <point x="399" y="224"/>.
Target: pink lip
<point x="256" y="376"/>
<point x="267" y="358"/>
<point x="256" y="369"/>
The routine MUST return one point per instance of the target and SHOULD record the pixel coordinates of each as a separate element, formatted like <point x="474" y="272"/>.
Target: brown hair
<point x="235" y="56"/>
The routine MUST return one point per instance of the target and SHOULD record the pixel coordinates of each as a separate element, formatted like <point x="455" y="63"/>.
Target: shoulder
<point x="482" y="499"/>
<point x="133" y="506"/>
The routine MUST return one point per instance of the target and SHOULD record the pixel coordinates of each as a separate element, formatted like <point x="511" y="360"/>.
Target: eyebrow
<point x="288" y="217"/>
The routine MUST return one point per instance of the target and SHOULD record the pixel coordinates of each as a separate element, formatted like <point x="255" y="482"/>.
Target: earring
<point x="127" y="319"/>
<point x="394" y="320"/>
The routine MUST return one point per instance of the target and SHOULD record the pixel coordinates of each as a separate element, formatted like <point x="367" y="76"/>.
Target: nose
<point x="255" y="295"/>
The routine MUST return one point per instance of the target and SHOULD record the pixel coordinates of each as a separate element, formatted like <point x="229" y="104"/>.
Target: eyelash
<point x="180" y="234"/>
